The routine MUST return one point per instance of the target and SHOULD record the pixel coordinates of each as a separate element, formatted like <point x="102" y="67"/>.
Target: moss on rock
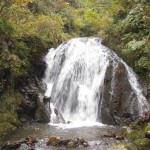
<point x="136" y="136"/>
<point x="142" y="143"/>
<point x="8" y="117"/>
<point x="5" y="128"/>
<point x="147" y="127"/>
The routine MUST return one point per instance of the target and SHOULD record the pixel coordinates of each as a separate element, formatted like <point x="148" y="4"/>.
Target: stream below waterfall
<point x="94" y="135"/>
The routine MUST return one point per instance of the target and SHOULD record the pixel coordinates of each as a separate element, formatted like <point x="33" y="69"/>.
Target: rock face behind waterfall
<point x="119" y="102"/>
<point x="88" y="82"/>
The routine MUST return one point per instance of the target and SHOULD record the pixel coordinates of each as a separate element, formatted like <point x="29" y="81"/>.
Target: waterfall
<point x="83" y="78"/>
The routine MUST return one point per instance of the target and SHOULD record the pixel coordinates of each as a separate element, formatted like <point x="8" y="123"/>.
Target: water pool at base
<point x="94" y="135"/>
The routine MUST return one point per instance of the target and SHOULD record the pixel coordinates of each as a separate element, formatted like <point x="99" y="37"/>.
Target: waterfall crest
<point x="88" y="82"/>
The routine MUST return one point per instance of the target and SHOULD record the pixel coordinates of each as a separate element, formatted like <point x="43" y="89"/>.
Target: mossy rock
<point x="131" y="146"/>
<point x="147" y="128"/>
<point x="8" y="117"/>
<point x="135" y="134"/>
<point x="139" y="144"/>
<point x="5" y="128"/>
<point x="142" y="144"/>
<point x="8" y="122"/>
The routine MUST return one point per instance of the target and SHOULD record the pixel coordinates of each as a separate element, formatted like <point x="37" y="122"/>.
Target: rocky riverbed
<point x="46" y="137"/>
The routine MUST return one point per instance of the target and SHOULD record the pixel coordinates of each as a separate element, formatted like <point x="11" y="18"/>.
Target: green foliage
<point x="134" y="45"/>
<point x="142" y="143"/>
<point x="12" y="63"/>
<point x="8" y="117"/>
<point x="49" y="21"/>
<point x="129" y="35"/>
<point x="10" y="100"/>
<point x="136" y="136"/>
<point x="5" y="27"/>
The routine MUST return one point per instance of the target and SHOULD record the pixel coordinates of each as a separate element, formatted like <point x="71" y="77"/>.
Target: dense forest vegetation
<point x="29" y="27"/>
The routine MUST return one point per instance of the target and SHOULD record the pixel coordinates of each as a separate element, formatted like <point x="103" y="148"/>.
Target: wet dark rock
<point x="27" y="143"/>
<point x="113" y="136"/>
<point x="68" y="122"/>
<point x="46" y="99"/>
<point x="119" y="138"/>
<point x="31" y="108"/>
<point x="147" y="134"/>
<point x="148" y="95"/>
<point x="63" y="142"/>
<point x="13" y="145"/>
<point x="26" y="110"/>
<point x="10" y="146"/>
<point x="29" y="88"/>
<point x="81" y="140"/>
<point x="85" y="144"/>
<point x="145" y="117"/>
<point x="119" y="102"/>
<point x="41" y="114"/>
<point x="56" y="112"/>
<point x="146" y="130"/>
<point x="109" y="136"/>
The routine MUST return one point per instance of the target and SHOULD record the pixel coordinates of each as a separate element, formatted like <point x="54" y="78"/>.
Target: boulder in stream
<point x="69" y="143"/>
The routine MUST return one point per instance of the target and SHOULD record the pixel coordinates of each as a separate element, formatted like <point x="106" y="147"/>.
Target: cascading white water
<point x="75" y="79"/>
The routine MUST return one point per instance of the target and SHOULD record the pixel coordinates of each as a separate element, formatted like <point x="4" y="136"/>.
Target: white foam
<point x="77" y="125"/>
